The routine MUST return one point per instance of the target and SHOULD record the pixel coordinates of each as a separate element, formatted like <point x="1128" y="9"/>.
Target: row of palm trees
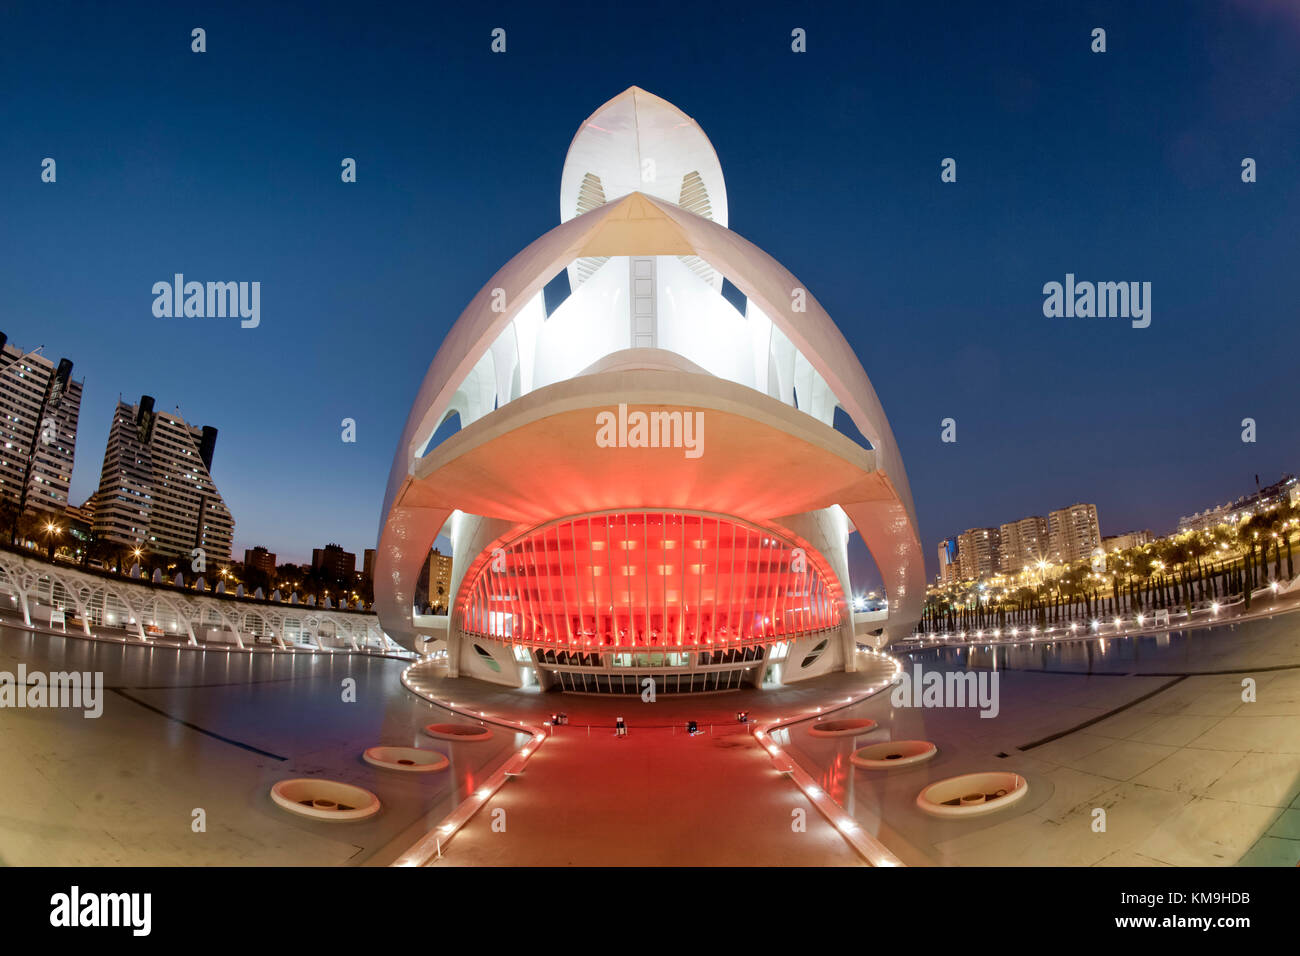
<point x="1220" y="565"/>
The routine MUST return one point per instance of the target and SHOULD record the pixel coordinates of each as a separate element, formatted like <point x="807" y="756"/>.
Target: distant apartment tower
<point x="1024" y="543"/>
<point x="434" y="585"/>
<point x="1285" y="491"/>
<point x="368" y="564"/>
<point x="949" y="562"/>
<point x="259" y="558"/>
<point x="39" y="407"/>
<point x="1129" y="539"/>
<point x="978" y="551"/>
<point x="1206" y="520"/>
<point x="1073" y="533"/>
<point x="340" y="565"/>
<point x="156" y="489"/>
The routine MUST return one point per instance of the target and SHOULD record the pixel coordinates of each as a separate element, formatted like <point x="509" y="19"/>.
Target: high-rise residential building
<point x="259" y="558"/>
<point x="338" y="564"/>
<point x="1024" y="543"/>
<point x="978" y="551"/>
<point x="39" y="408"/>
<point x="156" y="487"/>
<point x="949" y="566"/>
<point x="368" y="564"/>
<point x="1073" y="533"/>
<point x="434" y="585"/>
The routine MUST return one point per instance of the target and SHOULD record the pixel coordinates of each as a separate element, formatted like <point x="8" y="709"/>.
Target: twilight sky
<point x="1122" y="166"/>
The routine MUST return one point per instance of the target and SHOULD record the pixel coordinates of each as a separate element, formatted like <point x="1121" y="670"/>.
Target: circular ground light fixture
<point x="847" y="727"/>
<point x="410" y="759"/>
<point x="894" y="753"/>
<point x="462" y="732"/>
<point x="325" y="799"/>
<point x="972" y="794"/>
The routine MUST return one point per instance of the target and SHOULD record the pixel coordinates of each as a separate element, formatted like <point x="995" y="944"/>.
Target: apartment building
<point x="156" y="487"/>
<point x="39" y="408"/>
<point x="1024" y="543"/>
<point x="978" y="552"/>
<point x="1073" y="533"/>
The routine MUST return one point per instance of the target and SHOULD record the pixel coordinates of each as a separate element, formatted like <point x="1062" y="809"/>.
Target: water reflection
<point x="1170" y="652"/>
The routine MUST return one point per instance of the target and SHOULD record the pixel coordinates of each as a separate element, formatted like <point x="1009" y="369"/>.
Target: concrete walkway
<point x="649" y="799"/>
<point x="657" y="797"/>
<point x="1187" y="772"/>
<point x="187" y="730"/>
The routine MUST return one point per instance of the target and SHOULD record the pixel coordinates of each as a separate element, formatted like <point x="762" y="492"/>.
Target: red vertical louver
<point x="648" y="579"/>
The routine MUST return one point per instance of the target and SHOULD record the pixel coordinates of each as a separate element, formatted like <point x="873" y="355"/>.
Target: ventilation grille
<point x="591" y="195"/>
<point x="586" y="267"/>
<point x="695" y="198"/>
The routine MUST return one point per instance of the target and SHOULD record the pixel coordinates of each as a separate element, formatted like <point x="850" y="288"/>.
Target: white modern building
<point x="646" y="482"/>
<point x="39" y="408"/>
<point x="156" y="489"/>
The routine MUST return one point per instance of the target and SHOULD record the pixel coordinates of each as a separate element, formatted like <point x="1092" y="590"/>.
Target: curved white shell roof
<point x="638" y="142"/>
<point x="639" y="225"/>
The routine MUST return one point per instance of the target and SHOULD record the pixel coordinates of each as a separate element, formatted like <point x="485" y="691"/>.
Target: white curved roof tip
<point x="639" y="142"/>
<point x="640" y="224"/>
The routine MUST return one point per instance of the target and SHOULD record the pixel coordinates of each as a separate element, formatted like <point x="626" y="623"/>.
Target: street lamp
<point x="52" y="531"/>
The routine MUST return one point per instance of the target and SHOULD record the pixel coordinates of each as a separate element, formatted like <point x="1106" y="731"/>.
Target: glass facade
<point x="648" y="579"/>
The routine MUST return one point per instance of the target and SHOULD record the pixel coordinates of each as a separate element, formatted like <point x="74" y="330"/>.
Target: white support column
<point x="234" y="628"/>
<point x="453" y="653"/>
<point x="183" y="619"/>
<point x="848" y="640"/>
<point x="133" y="614"/>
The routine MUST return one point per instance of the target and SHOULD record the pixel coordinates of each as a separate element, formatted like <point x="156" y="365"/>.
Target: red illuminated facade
<point x="648" y="580"/>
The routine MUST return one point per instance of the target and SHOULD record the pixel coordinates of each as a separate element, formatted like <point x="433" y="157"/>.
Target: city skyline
<point x="292" y="556"/>
<point x="1046" y="409"/>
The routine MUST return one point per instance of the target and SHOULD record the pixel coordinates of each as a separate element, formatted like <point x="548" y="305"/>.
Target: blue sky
<point x="1116" y="166"/>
